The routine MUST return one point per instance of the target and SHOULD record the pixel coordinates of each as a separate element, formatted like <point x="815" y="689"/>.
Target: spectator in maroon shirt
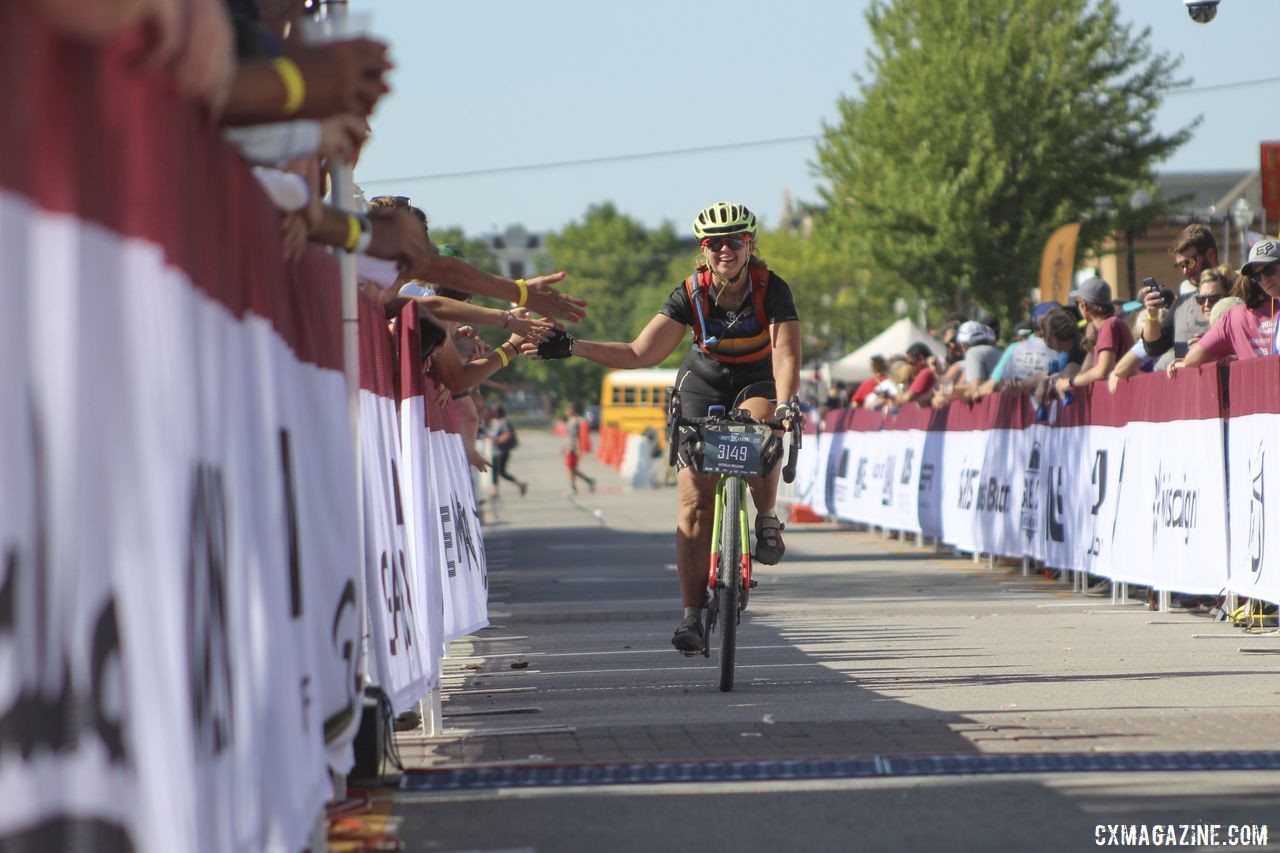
<point x="1111" y="337"/>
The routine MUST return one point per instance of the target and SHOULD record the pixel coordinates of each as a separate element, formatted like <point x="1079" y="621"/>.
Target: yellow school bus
<point x="631" y="400"/>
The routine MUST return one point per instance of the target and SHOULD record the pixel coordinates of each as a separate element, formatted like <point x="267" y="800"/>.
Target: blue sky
<point x="484" y="88"/>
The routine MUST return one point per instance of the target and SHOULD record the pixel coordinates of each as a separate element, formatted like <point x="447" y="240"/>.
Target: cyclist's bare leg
<point x="697" y="493"/>
<point x="764" y="490"/>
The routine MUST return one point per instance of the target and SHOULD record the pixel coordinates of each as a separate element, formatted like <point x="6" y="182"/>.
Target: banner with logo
<point x="1172" y="511"/>
<point x="1253" y="453"/>
<point x="405" y="667"/>
<point x="417" y="491"/>
<point x="1129" y="486"/>
<point x="463" y="575"/>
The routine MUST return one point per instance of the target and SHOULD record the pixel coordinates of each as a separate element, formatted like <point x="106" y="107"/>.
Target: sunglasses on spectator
<point x="1186" y="263"/>
<point x="1267" y="271"/>
<point x="1207" y="300"/>
<point x="715" y="244"/>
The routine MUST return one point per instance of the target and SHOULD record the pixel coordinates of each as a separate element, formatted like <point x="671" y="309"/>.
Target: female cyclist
<point x="745" y="354"/>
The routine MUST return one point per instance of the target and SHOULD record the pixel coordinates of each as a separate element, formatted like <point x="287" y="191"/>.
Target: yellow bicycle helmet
<point x="724" y="218"/>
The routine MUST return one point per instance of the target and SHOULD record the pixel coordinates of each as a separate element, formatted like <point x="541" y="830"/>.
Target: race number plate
<point x="733" y="449"/>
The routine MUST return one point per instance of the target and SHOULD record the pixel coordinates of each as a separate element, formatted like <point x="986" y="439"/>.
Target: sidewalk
<point x="855" y="646"/>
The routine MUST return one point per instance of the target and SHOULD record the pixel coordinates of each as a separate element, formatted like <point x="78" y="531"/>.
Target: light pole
<point x="1242" y="217"/>
<point x="1137" y="202"/>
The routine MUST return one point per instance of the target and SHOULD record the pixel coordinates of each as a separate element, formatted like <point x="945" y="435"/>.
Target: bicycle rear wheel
<point x="730" y="578"/>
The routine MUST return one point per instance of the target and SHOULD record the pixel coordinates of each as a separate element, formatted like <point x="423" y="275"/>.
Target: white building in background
<point x="516" y="250"/>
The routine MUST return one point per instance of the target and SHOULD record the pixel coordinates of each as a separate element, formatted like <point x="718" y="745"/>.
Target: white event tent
<point x="894" y="340"/>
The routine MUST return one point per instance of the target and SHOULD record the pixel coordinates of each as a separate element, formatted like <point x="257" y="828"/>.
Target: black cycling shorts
<point x="704" y="382"/>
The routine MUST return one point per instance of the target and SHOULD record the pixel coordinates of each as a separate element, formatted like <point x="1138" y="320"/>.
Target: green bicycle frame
<point x="728" y="481"/>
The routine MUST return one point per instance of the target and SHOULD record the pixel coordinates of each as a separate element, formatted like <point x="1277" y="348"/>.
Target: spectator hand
<point x="524" y="325"/>
<point x="1174" y="366"/>
<point x="341" y="137"/>
<point x="1151" y="300"/>
<point x="1113" y="382"/>
<point x="398" y="236"/>
<point x="342" y="77"/>
<point x="547" y="301"/>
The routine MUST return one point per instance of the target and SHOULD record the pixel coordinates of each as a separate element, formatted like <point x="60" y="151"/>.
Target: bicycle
<point x="735" y="446"/>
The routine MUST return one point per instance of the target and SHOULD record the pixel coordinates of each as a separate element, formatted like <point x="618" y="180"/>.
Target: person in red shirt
<point x="879" y="369"/>
<point x="921" y="388"/>
<point x="1112" y="338"/>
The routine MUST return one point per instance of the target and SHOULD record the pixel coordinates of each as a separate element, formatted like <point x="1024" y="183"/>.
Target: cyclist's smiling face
<point x="725" y="259"/>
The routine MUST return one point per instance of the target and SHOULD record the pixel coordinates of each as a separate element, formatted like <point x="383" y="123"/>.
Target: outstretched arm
<point x="655" y="342"/>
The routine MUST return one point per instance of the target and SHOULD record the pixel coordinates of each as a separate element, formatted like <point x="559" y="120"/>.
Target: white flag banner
<point x="417" y="490"/>
<point x="177" y="496"/>
<point x="1172" y="514"/>
<point x="405" y="667"/>
<point x="1253" y="454"/>
<point x="463" y="579"/>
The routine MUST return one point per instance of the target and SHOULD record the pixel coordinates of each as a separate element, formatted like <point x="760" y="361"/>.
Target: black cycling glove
<point x="559" y="345"/>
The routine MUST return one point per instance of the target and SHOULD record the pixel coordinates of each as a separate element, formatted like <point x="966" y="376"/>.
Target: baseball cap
<point x="1094" y="291"/>
<point x="1263" y="254"/>
<point x="973" y="332"/>
<point x="1042" y="309"/>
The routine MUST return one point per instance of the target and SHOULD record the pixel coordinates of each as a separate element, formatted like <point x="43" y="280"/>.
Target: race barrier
<point x="180" y="561"/>
<point x="1131" y="486"/>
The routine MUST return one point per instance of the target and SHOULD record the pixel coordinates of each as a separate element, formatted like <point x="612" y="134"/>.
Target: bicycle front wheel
<point x="730" y="579"/>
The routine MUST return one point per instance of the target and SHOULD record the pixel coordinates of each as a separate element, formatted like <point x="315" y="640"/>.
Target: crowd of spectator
<point x="1217" y="314"/>
<point x="297" y="110"/>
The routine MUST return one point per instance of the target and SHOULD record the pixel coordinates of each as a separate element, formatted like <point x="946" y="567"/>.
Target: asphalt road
<point x="856" y="647"/>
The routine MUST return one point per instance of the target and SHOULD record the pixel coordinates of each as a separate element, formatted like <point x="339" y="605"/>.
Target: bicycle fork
<point x="744" y="544"/>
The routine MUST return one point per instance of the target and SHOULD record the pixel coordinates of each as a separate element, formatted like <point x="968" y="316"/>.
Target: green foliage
<point x="987" y="124"/>
<point x="477" y="251"/>
<point x="622" y="270"/>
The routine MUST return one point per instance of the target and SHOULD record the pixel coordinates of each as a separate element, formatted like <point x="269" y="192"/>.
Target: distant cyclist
<point x="745" y="354"/>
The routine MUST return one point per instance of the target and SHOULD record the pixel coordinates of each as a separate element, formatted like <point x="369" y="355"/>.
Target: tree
<point x="475" y="249"/>
<point x="620" y="268"/>
<point x="987" y="124"/>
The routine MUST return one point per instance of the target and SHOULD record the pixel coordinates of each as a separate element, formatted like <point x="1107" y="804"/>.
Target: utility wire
<point x="705" y="149"/>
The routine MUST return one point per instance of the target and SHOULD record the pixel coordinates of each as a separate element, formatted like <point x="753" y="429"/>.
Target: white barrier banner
<point x="187" y="564"/>
<point x="422" y="529"/>
<point x="1172" y="506"/>
<point x="463" y="575"/>
<point x="1254" y="452"/>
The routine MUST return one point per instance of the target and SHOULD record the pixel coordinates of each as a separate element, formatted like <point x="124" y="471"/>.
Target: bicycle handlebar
<point x="737" y="416"/>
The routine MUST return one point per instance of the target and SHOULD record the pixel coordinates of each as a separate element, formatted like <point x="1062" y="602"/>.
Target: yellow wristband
<point x="353" y="232"/>
<point x="502" y="354"/>
<point x="524" y="293"/>
<point x="295" y="88"/>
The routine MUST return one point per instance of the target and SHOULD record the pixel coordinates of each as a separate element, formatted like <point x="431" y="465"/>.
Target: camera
<point x="1165" y="293"/>
<point x="1202" y="11"/>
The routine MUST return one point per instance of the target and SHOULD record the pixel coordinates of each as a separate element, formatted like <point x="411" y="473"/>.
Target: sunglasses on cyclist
<point x="715" y="244"/>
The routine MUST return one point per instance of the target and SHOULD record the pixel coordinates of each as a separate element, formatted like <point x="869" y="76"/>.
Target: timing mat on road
<point x="656" y="773"/>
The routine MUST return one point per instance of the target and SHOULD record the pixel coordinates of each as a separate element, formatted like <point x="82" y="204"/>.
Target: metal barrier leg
<point x="1026" y="565"/>
<point x="1165" y="600"/>
<point x="991" y="561"/>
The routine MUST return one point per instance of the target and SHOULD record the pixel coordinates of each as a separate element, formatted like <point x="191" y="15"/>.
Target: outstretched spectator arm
<point x="447" y="366"/>
<point x="541" y="296"/>
<point x="342" y="77"/>
<point x="396" y="235"/>
<point x="517" y="321"/>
